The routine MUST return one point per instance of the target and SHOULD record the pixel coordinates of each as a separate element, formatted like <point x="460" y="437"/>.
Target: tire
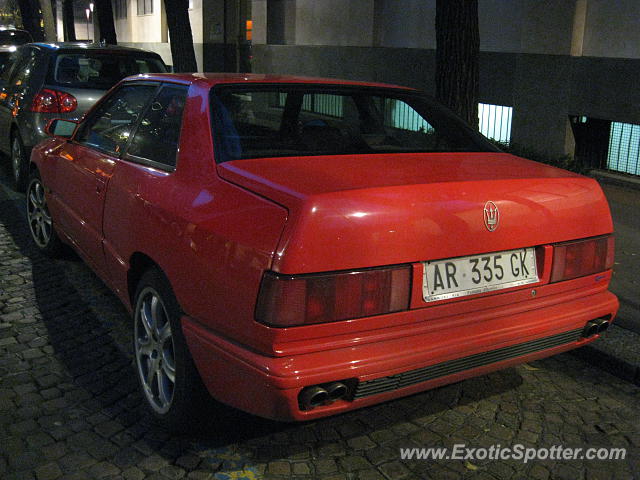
<point x="39" y="219"/>
<point x="170" y="383"/>
<point x="19" y="167"/>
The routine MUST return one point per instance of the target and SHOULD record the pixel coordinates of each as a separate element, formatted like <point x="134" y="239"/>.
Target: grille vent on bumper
<point x="411" y="377"/>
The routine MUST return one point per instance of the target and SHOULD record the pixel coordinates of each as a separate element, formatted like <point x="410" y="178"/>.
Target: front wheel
<point x="167" y="376"/>
<point x="39" y="218"/>
<point x="19" y="167"/>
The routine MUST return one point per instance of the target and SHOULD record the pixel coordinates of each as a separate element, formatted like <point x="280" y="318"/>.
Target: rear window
<point x="99" y="70"/>
<point x="302" y="120"/>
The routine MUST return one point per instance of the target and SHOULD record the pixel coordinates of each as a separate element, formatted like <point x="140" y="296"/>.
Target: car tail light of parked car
<point x="584" y="257"/>
<point x="287" y="300"/>
<point x="53" y="101"/>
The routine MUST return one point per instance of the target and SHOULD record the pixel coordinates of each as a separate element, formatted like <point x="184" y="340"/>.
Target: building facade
<point x="556" y="76"/>
<point x="567" y="68"/>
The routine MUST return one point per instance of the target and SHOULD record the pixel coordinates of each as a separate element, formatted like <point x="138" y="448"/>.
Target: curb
<point x="617" y="179"/>
<point x="609" y="363"/>
<point x="600" y="354"/>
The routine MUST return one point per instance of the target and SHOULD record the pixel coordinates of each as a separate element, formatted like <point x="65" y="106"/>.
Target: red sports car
<point x="303" y="247"/>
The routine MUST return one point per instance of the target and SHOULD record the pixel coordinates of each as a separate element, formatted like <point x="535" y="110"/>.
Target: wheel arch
<point x="139" y="263"/>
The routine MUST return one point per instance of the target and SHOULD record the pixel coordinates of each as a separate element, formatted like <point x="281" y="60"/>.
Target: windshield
<point x="301" y="120"/>
<point x="99" y="70"/>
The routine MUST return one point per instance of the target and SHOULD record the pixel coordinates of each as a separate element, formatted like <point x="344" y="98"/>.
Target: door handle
<point x="100" y="184"/>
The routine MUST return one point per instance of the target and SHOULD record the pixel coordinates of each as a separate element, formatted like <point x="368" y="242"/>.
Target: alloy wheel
<point x="38" y="214"/>
<point x="154" y="350"/>
<point x="16" y="160"/>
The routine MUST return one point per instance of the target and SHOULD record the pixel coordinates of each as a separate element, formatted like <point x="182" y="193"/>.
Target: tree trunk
<point x="50" y="34"/>
<point x="68" y="21"/>
<point x="29" y="11"/>
<point x="106" y="26"/>
<point x="457" y="54"/>
<point x="180" y="36"/>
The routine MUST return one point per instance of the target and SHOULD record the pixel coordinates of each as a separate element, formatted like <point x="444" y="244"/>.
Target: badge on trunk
<point x="491" y="216"/>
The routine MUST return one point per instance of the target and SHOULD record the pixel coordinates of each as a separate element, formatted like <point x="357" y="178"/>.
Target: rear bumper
<point x="386" y="369"/>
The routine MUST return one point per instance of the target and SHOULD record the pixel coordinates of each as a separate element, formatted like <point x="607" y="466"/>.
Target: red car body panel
<point x="215" y="229"/>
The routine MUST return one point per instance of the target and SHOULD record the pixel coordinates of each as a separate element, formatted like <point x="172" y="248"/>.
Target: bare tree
<point x="106" y="27"/>
<point x="68" y="21"/>
<point x="457" y="54"/>
<point x="48" y="21"/>
<point x="29" y="11"/>
<point x="182" y="52"/>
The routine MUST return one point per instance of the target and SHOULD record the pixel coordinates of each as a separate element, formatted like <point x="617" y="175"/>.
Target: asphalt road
<point x="70" y="408"/>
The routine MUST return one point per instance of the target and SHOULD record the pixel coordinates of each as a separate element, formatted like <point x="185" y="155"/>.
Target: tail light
<point x="583" y="257"/>
<point x="53" y="101"/>
<point x="290" y="300"/>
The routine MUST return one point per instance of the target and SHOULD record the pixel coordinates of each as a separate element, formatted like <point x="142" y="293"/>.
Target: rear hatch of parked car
<point x="77" y="78"/>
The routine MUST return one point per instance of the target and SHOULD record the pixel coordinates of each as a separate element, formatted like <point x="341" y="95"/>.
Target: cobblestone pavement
<point x="69" y="406"/>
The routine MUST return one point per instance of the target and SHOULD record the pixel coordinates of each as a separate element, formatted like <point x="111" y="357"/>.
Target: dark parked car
<point x="61" y="80"/>
<point x="14" y="36"/>
<point x="10" y="39"/>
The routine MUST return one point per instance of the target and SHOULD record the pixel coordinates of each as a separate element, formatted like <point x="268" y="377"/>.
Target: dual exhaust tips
<point x="595" y="327"/>
<point x="325" y="394"/>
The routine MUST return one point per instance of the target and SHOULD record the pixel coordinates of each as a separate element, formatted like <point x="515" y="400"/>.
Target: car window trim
<point x="127" y="157"/>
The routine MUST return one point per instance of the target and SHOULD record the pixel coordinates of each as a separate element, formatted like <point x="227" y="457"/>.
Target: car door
<point x="143" y="175"/>
<point x="85" y="165"/>
<point x="13" y="79"/>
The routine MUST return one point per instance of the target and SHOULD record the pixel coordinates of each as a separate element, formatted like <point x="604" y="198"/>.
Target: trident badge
<point x="491" y="216"/>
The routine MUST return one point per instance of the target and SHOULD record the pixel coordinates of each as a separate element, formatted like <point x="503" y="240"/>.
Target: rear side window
<point x="99" y="70"/>
<point x="8" y="60"/>
<point x="109" y="127"/>
<point x="23" y="71"/>
<point x="157" y="136"/>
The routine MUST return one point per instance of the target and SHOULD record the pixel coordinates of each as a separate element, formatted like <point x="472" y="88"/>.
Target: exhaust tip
<point x="590" y="329"/>
<point x="312" y="397"/>
<point x="337" y="390"/>
<point x="595" y="327"/>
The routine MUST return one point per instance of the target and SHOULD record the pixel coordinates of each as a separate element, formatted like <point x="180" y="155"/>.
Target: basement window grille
<point x="624" y="148"/>
<point x="495" y="122"/>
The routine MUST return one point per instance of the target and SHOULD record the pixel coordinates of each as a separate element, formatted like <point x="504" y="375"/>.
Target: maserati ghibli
<point x="302" y="247"/>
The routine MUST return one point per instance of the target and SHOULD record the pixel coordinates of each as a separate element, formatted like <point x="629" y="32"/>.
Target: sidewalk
<point x="619" y="350"/>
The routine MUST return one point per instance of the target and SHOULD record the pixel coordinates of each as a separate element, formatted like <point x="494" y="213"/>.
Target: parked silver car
<point x="58" y="80"/>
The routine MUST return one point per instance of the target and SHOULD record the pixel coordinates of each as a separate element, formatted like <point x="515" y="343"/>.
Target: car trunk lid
<point x="349" y="212"/>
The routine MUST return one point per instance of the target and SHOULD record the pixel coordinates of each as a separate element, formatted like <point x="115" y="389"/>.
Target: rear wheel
<point x="167" y="376"/>
<point x="19" y="167"/>
<point x="39" y="218"/>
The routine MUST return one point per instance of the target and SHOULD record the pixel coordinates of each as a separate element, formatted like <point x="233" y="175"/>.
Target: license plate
<point x="462" y="276"/>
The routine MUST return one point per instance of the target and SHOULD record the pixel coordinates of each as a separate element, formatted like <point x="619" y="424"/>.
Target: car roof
<point x="8" y="28"/>
<point x="80" y="46"/>
<point x="213" y="79"/>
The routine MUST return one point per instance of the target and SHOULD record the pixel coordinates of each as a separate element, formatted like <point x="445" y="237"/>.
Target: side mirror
<point x="61" y="128"/>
